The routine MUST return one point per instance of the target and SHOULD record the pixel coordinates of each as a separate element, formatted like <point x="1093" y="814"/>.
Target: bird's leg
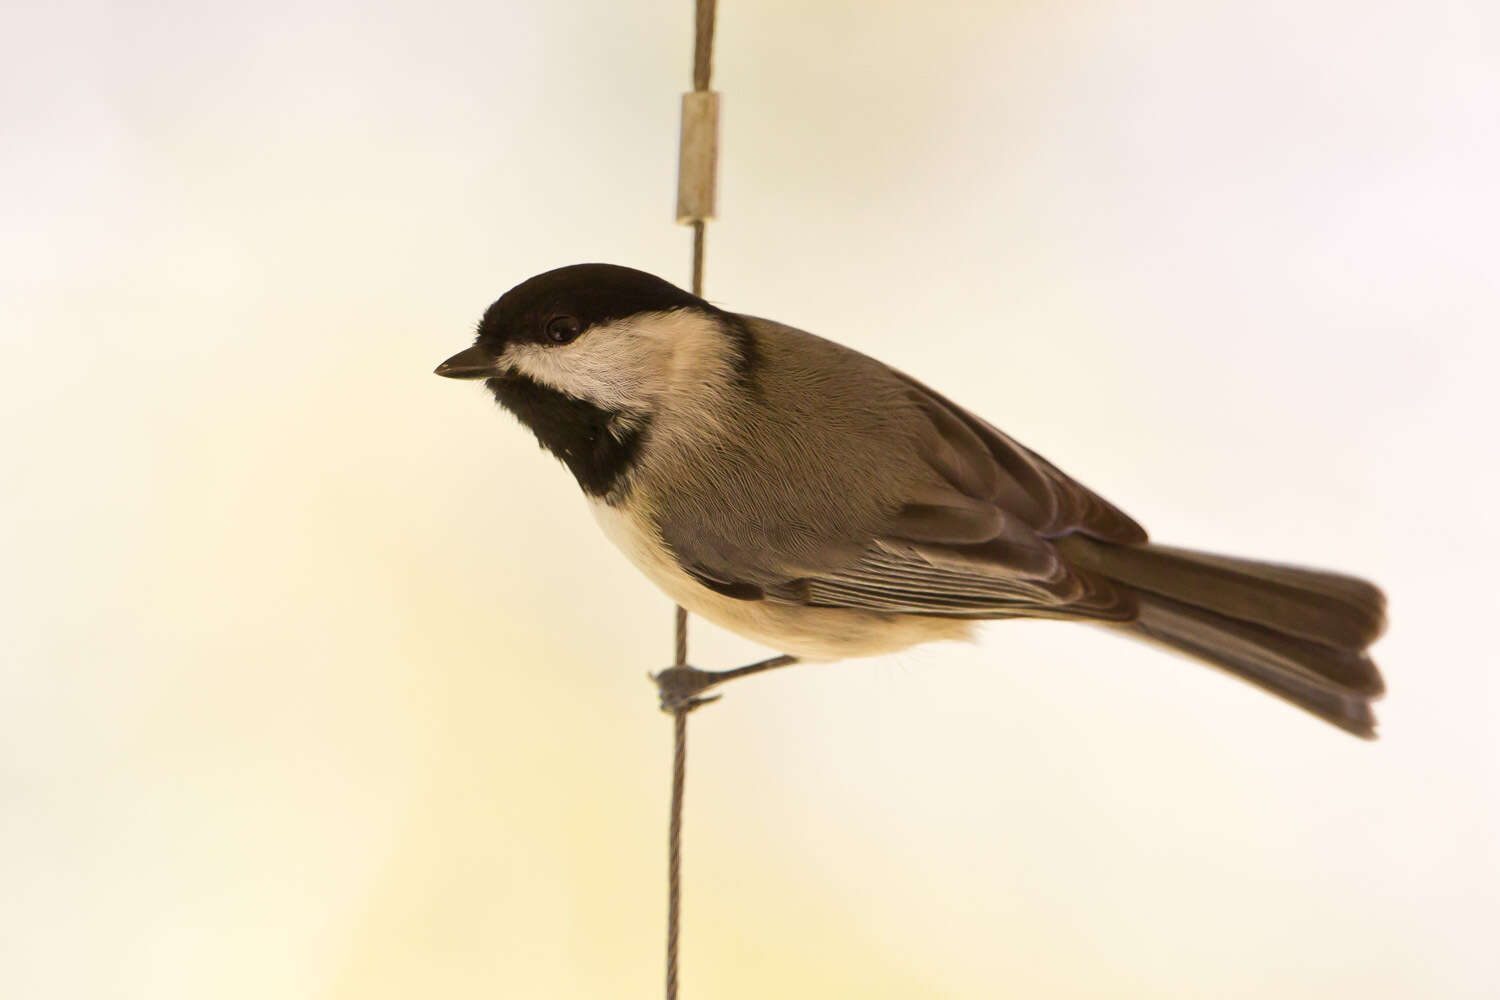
<point x="681" y="687"/>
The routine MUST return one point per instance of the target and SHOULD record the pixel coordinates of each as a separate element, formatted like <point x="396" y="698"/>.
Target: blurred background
<point x="318" y="681"/>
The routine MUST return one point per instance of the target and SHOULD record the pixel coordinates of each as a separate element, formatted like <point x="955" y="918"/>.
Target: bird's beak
<point x="473" y="363"/>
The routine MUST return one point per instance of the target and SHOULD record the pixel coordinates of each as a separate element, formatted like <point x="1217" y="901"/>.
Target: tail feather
<point x="1300" y="634"/>
<point x="1266" y="659"/>
<point x="1327" y="608"/>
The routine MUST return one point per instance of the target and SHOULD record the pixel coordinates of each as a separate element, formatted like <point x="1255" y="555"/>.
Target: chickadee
<point x="818" y="502"/>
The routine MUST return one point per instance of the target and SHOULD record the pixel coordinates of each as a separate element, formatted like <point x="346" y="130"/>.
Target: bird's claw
<point x="680" y="688"/>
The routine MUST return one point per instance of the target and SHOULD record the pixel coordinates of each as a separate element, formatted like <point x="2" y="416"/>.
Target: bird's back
<point x="817" y="450"/>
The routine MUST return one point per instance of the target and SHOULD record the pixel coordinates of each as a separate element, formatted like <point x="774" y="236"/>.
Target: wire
<point x="674" y="845"/>
<point x="703" y="43"/>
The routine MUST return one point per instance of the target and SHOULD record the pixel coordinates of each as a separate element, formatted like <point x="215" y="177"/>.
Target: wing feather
<point x="971" y="513"/>
<point x="964" y="582"/>
<point x="1016" y="478"/>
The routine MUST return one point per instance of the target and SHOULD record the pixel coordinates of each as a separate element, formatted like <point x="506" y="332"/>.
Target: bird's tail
<point x="1300" y="634"/>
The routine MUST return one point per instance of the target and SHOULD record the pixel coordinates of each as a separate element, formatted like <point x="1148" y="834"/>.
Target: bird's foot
<point x="681" y="688"/>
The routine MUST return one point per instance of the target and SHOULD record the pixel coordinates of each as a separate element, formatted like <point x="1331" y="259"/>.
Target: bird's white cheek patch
<point x="612" y="371"/>
<point x="632" y="364"/>
<point x="532" y="360"/>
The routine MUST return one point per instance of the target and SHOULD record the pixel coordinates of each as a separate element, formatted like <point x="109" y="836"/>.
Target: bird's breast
<point x="810" y="633"/>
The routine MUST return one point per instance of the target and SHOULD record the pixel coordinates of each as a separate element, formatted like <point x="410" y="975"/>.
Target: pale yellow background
<point x="319" y="683"/>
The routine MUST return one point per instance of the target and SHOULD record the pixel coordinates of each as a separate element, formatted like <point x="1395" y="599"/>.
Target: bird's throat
<point x="599" y="446"/>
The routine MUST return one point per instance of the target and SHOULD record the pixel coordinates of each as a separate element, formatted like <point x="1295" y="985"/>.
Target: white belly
<point x="807" y="633"/>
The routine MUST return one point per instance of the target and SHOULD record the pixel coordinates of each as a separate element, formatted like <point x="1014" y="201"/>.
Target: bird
<point x="821" y="503"/>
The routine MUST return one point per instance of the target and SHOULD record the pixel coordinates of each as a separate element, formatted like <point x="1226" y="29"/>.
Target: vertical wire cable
<point x="699" y="228"/>
<point x="674" y="845"/>
<point x="703" y="44"/>
<point x="702" y="72"/>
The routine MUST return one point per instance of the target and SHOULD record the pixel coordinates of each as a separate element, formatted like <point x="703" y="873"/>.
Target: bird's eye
<point x="561" y="329"/>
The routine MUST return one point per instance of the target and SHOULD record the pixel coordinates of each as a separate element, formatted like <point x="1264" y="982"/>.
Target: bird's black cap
<point x="590" y="293"/>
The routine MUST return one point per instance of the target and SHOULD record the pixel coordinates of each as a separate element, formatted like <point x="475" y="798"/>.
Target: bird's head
<point x="593" y="354"/>
<point x="607" y="335"/>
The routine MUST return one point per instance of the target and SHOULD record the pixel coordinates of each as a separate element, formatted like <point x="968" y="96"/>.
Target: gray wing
<point x="977" y="544"/>
<point x="984" y="464"/>
<point x="965" y="526"/>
